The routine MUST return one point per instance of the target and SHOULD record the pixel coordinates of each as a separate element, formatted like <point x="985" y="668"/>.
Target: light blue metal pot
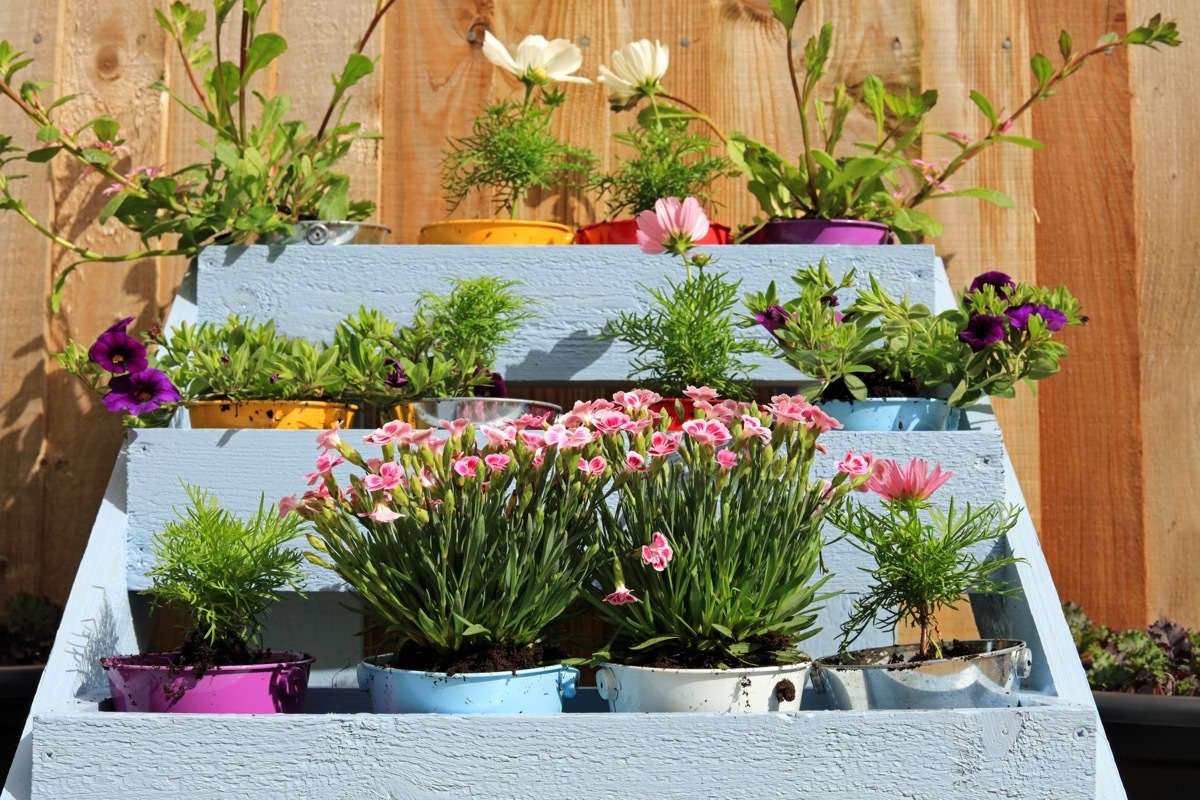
<point x="893" y="414"/>
<point x="528" y="691"/>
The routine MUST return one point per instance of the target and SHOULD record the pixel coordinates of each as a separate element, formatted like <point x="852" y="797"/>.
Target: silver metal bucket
<point x="479" y="410"/>
<point x="332" y="233"/>
<point x="881" y="678"/>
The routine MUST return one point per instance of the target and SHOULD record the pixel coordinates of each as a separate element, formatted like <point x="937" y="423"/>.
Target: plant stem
<point x="222" y="101"/>
<point x="194" y="79"/>
<point x="810" y="165"/>
<point x="699" y="115"/>
<point x="245" y="48"/>
<point x="380" y="10"/>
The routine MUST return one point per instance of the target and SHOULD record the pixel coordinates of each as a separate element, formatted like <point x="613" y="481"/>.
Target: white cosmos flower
<point x="636" y="70"/>
<point x="538" y="61"/>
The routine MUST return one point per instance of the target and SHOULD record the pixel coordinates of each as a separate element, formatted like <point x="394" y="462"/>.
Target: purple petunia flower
<point x="997" y="280"/>
<point x="118" y="352"/>
<point x="773" y="317"/>
<point x="395" y="379"/>
<point x="981" y="331"/>
<point x="140" y="392"/>
<point x="120" y="325"/>
<point x="1018" y="316"/>
<point x="497" y="388"/>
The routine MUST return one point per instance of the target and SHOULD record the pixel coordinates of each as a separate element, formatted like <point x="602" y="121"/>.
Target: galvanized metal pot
<point x="323" y="232"/>
<point x="881" y="678"/>
<point x="479" y="410"/>
<point x="731" y="691"/>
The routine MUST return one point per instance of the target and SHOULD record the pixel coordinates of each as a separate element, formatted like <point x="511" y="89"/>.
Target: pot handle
<point x="606" y="684"/>
<point x="817" y="679"/>
<point x="1024" y="663"/>
<point x="364" y="680"/>
<point x="568" y="681"/>
<point x="317" y="234"/>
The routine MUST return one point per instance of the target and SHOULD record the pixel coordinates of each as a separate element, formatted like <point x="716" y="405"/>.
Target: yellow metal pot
<point x="292" y="415"/>
<point x="495" y="231"/>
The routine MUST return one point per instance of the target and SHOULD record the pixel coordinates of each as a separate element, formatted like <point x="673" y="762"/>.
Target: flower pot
<point x="736" y="691"/>
<point x="275" y="685"/>
<point x="882" y="678"/>
<point x="495" y="231"/>
<point x="18" y="685"/>
<point x="329" y="233"/>
<point x="1155" y="740"/>
<point x="667" y="404"/>
<point x="624" y="231"/>
<point x="893" y="414"/>
<point x="820" y="231"/>
<point x="528" y="691"/>
<point x="267" y="414"/>
<point x="479" y="410"/>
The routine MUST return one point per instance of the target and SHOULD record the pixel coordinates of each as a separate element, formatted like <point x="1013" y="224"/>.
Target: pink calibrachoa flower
<point x="752" y="426"/>
<point x="466" y="466"/>
<point x="658" y="553"/>
<point x="707" y="431"/>
<point x="325" y="462"/>
<point x="389" y="477"/>
<point x="637" y="401"/>
<point x="497" y="462"/>
<point x="856" y="463"/>
<point x="594" y="467"/>
<point x="382" y="514"/>
<point x="457" y="428"/>
<point x="620" y="596"/>
<point x="329" y="440"/>
<point x="502" y="436"/>
<point x="726" y="459"/>
<point x="912" y="482"/>
<point x="635" y="462"/>
<point x="701" y="394"/>
<point x="672" y="226"/>
<point x="663" y="444"/>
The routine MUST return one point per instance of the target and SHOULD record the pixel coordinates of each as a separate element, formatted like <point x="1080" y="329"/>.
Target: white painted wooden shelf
<point x="1049" y="746"/>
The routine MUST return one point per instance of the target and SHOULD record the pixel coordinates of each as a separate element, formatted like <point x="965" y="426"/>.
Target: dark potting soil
<point x="197" y="652"/>
<point x="764" y="656"/>
<point x="494" y="658"/>
<point x="877" y="386"/>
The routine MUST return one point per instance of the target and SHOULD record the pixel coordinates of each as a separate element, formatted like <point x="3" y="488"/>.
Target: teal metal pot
<point x="528" y="691"/>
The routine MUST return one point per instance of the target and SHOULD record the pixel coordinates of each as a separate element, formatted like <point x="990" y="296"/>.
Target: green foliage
<point x="687" y="338"/>
<point x="264" y="172"/>
<point x="880" y="181"/>
<point x="27" y="629"/>
<point x="225" y="572"/>
<point x="741" y="587"/>
<point x="478" y="315"/>
<point x="489" y="557"/>
<point x="670" y="161"/>
<point x="921" y="564"/>
<point x="511" y="149"/>
<point x="1162" y="659"/>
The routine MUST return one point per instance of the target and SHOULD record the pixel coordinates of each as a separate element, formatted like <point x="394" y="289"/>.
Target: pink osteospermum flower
<point x="912" y="481"/>
<point x="658" y="553"/>
<point x="726" y="459"/>
<point x="466" y="466"/>
<point x="672" y="226"/>
<point x="497" y="462"/>
<point x="855" y="464"/>
<point x="329" y="440"/>
<point x="620" y="596"/>
<point x="707" y="431"/>
<point x="594" y="467"/>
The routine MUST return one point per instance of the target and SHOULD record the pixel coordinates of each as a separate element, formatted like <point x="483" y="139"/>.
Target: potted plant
<point x="26" y="637"/>
<point x="828" y="197"/>
<point x="686" y="339"/>
<point x="671" y="160"/>
<point x="711" y="554"/>
<point x="239" y="374"/>
<point x="466" y="552"/>
<point x="923" y="565"/>
<point x="266" y="174"/>
<point x="511" y="149"/>
<point x="442" y="366"/>
<point x="225" y="573"/>
<point x="883" y="364"/>
<point x="1146" y="684"/>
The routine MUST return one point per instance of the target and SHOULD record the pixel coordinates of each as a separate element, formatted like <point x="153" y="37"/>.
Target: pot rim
<point x="501" y="222"/>
<point x="633" y="220"/>
<point x="279" y="658"/>
<point x="795" y="666"/>
<point x="369" y="662"/>
<point x="357" y="224"/>
<point x="1007" y="647"/>
<point x="301" y="403"/>
<point x="844" y="223"/>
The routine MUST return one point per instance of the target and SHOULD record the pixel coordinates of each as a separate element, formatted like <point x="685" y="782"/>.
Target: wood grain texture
<point x="1165" y="155"/>
<point x="24" y="281"/>
<point x="1091" y="462"/>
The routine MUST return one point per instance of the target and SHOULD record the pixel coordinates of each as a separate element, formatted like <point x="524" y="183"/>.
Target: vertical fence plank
<point x="1091" y="434"/>
<point x="1165" y="152"/>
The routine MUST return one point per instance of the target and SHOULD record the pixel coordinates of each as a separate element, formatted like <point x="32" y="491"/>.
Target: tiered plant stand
<point x="1049" y="746"/>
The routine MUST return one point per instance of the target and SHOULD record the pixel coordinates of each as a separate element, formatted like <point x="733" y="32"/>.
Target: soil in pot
<point x="877" y="386"/>
<point x="768" y="643"/>
<point x="493" y="658"/>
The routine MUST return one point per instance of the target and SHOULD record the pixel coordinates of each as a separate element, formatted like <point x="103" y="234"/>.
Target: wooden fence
<point x="1106" y="453"/>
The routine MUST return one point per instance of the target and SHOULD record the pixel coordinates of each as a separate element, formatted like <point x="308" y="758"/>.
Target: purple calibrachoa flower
<point x="773" y="317"/>
<point x="981" y="331"/>
<point x="395" y="379"/>
<point x="139" y="392"/>
<point x="495" y="388"/>
<point x="1018" y="316"/>
<point x="118" y="352"/>
<point x="997" y="280"/>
